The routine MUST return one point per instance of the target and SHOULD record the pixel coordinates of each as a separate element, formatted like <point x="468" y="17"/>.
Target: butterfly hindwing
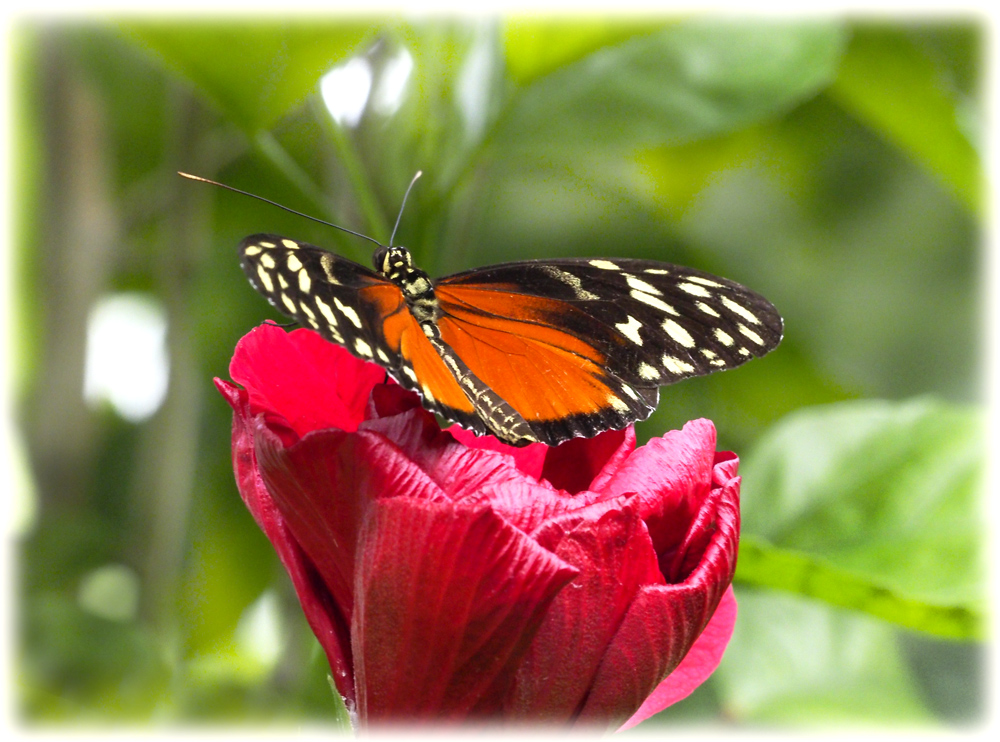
<point x="623" y="327"/>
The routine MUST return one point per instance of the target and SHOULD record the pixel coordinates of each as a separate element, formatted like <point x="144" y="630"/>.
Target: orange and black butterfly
<point x="543" y="350"/>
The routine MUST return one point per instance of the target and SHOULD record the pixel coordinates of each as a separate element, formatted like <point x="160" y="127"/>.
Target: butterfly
<point x="531" y="351"/>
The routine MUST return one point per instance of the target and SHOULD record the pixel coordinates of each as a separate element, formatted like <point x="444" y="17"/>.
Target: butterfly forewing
<point x="574" y="347"/>
<point x="355" y="307"/>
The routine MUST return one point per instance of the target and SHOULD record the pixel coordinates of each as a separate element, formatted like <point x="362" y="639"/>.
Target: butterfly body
<point x="532" y="351"/>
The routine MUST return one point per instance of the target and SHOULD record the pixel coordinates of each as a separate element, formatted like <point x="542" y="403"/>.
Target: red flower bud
<point x="450" y="577"/>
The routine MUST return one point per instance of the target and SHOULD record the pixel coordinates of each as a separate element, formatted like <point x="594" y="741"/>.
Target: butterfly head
<point x="392" y="262"/>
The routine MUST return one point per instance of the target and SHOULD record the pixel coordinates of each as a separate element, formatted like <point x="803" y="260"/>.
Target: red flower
<point x="451" y="577"/>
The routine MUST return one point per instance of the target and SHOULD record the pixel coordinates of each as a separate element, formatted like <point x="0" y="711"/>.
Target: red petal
<point x="696" y="667"/>
<point x="528" y="459"/>
<point x="663" y="623"/>
<point x="575" y="464"/>
<point x="615" y="558"/>
<point x="312" y="383"/>
<point x="448" y="597"/>
<point x="324" y="485"/>
<point x="328" y="623"/>
<point x="672" y="476"/>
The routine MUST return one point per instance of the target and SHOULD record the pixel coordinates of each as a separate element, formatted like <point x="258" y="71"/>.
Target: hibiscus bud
<point x="450" y="577"/>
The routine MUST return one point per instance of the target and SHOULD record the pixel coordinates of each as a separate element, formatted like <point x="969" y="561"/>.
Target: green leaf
<point x="888" y="82"/>
<point x="534" y="47"/>
<point x="255" y="72"/>
<point x="874" y="506"/>
<point x="793" y="661"/>
<point x="688" y="80"/>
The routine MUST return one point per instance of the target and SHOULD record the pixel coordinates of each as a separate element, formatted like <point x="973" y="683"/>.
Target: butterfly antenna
<point x="291" y="211"/>
<point x="403" y="205"/>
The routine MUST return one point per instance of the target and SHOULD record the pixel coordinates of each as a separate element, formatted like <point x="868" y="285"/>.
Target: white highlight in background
<point x="345" y="90"/>
<point x="388" y="95"/>
<point x="111" y="592"/>
<point x="259" y="632"/>
<point x="127" y="364"/>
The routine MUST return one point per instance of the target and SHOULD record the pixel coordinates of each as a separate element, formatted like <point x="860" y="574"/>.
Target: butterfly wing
<point x="357" y="308"/>
<point x="574" y="347"/>
<point x="581" y="346"/>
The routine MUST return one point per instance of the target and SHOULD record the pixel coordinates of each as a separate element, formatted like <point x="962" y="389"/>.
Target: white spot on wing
<point x="409" y="373"/>
<point x="694" y="290"/>
<point x="653" y="302"/>
<point x="267" y="261"/>
<point x="705" y="282"/>
<point x="706" y="309"/>
<point x="326" y="311"/>
<point x="648" y="372"/>
<point x="305" y="283"/>
<point x="605" y="265"/>
<point x="293" y="263"/>
<point x="251" y="250"/>
<point x="630" y="329"/>
<point x="326" y="260"/>
<point x="572" y="281"/>
<point x="289" y="304"/>
<point x="640" y="285"/>
<point x="617" y="403"/>
<point x="751" y="334"/>
<point x="629" y="391"/>
<point x="657" y="272"/>
<point x="265" y="279"/>
<point x="723" y="337"/>
<point x="348" y="312"/>
<point x="290" y="244"/>
<point x="739" y="309"/>
<point x="676" y="365"/>
<point x="362" y="347"/>
<point x="678" y="333"/>
<point x="282" y="281"/>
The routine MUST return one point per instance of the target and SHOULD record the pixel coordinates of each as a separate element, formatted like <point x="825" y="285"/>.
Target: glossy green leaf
<point x="888" y="82"/>
<point x="873" y="506"/>
<point x="689" y="80"/>
<point x="255" y="72"/>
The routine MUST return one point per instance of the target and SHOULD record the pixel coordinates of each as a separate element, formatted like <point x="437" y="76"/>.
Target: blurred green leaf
<point x="255" y="72"/>
<point x="874" y="506"/>
<point x="888" y="82"/>
<point x="534" y="47"/>
<point x="793" y="661"/>
<point x="689" y="80"/>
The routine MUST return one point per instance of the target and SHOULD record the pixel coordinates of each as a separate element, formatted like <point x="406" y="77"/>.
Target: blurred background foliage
<point x="833" y="166"/>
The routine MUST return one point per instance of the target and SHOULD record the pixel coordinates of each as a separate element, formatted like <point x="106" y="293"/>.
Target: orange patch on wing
<point x="541" y="371"/>
<point x="404" y="336"/>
